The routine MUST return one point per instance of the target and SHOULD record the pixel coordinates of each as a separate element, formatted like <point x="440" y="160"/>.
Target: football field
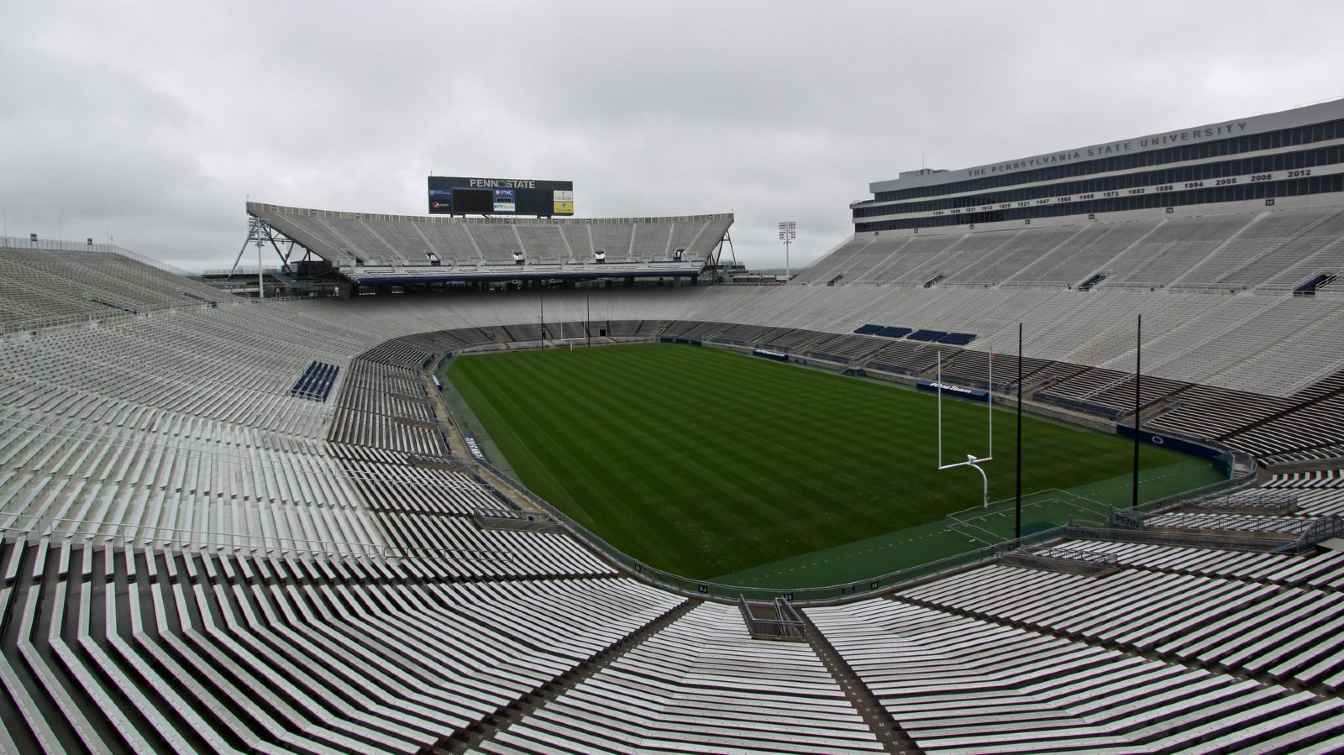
<point x="713" y="464"/>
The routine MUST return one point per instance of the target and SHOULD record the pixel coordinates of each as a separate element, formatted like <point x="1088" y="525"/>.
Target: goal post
<point x="972" y="460"/>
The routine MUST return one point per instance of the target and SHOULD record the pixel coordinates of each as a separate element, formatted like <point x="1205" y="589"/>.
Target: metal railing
<point x="1319" y="530"/>
<point x="780" y="622"/>
<point x="1064" y="560"/>
<point x="1269" y="502"/>
<point x="59" y="245"/>
<point x="37" y="324"/>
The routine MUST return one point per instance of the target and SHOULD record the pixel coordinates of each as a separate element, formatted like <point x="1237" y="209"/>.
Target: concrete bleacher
<point x="497" y="242"/>
<point x="851" y="255"/>
<point x="196" y="559"/>
<point x="45" y="283"/>
<point x="373" y="248"/>
<point x="962" y="683"/>
<point x="701" y="682"/>
<point x="1190" y="350"/>
<point x="1087" y="253"/>
<point x="1256" y="246"/>
<point x="1020" y="251"/>
<point x="1220" y="249"/>
<point x="914" y="257"/>
<point x="1173" y="248"/>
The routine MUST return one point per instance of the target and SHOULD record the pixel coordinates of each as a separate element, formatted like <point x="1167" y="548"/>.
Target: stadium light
<point x="1017" y="482"/>
<point x="788" y="231"/>
<point x="1138" y="378"/>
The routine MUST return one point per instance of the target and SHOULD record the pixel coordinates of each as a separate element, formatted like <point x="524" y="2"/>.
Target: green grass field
<point x="712" y="464"/>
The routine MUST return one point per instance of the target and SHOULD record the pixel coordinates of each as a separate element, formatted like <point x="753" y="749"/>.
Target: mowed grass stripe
<point x="623" y="468"/>
<point x="706" y="450"/>
<point x="581" y="469"/>
<point x="705" y="462"/>
<point x="696" y="445"/>
<point x="702" y="440"/>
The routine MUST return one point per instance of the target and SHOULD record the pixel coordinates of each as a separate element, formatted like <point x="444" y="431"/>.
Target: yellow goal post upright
<point x="972" y="460"/>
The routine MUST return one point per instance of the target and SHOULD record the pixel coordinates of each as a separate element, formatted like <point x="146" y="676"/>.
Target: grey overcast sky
<point x="153" y="122"/>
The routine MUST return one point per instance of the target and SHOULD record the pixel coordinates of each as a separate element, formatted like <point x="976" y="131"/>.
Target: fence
<point x="1262" y="502"/>
<point x="111" y="319"/>
<point x="773" y="621"/>
<point x="57" y="245"/>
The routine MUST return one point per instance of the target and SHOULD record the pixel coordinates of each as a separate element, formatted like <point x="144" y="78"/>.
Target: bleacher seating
<point x="701" y="682"/>
<point x="315" y="382"/>
<point x="957" y="339"/>
<point x="194" y="559"/>
<point x="928" y="336"/>
<point x="47" y="283"/>
<point x="959" y="682"/>
<point x="372" y="248"/>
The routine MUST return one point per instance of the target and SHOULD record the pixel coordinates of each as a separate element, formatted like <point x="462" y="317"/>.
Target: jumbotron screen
<point x="457" y="195"/>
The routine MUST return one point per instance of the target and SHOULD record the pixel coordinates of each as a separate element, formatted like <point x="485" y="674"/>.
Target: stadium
<point x="554" y="483"/>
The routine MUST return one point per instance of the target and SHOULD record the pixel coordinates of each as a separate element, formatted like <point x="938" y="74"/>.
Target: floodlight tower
<point x="788" y="231"/>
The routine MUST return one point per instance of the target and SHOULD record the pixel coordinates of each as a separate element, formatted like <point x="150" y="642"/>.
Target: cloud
<point x="154" y="123"/>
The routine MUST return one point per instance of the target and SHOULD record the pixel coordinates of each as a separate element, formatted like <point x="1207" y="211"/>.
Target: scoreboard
<point x="457" y="195"/>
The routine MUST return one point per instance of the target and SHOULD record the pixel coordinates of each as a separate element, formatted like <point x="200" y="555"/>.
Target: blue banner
<point x="778" y="356"/>
<point x="1175" y="444"/>
<point x="973" y="394"/>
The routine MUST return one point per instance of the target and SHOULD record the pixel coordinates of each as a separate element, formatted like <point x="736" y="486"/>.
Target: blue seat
<point x="927" y="335"/>
<point x="315" y="382"/>
<point x="957" y="339"/>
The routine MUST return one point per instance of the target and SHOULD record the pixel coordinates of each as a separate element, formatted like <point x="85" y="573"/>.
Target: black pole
<point x="1138" y="373"/>
<point x="588" y="319"/>
<point x="1017" y="518"/>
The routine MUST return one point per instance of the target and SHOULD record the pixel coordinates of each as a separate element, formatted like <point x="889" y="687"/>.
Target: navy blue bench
<point x="927" y="335"/>
<point x="957" y="339"/>
<point x="315" y="382"/>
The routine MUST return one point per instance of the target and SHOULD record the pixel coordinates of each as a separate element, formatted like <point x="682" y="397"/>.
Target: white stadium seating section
<point x="372" y="248"/>
<point x="196" y="557"/>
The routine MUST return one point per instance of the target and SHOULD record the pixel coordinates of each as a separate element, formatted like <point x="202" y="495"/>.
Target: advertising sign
<point x="461" y="195"/>
<point x="562" y="202"/>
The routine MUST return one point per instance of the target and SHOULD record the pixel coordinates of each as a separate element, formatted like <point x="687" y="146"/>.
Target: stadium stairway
<point x="886" y="728"/>
<point x="494" y="729"/>
<point x="701" y="683"/>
